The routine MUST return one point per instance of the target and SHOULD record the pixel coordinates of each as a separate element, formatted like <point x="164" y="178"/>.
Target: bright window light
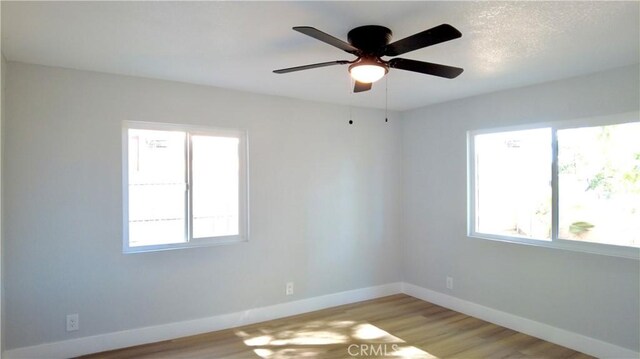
<point x="157" y="182"/>
<point x="599" y="184"/>
<point x="185" y="187"/>
<point x="513" y="183"/>
<point x="215" y="186"/>
<point x="564" y="186"/>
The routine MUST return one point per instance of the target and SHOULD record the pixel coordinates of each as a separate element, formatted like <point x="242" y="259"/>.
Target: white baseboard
<point x="122" y="339"/>
<point x="579" y="342"/>
<point x="127" y="338"/>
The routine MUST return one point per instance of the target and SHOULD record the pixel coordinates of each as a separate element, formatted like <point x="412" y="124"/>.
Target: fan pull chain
<point x="350" y="114"/>
<point x="350" y="101"/>
<point x="386" y="99"/>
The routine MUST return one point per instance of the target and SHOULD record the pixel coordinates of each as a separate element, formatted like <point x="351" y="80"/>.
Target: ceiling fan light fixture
<point x="372" y="42"/>
<point x="368" y="71"/>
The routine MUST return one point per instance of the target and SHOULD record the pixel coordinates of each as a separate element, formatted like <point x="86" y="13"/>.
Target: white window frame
<point x="555" y="242"/>
<point x="243" y="205"/>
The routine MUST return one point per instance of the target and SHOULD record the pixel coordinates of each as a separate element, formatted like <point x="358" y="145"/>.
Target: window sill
<point x="574" y="246"/>
<point x="207" y="242"/>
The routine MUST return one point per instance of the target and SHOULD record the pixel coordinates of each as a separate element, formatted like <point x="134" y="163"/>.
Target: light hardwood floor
<point x="397" y="326"/>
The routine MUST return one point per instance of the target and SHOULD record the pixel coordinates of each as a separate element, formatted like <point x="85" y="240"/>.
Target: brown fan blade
<point x="361" y="86"/>
<point x="436" y="35"/>
<point x="326" y="38"/>
<point x="428" y="68"/>
<point x="311" y="66"/>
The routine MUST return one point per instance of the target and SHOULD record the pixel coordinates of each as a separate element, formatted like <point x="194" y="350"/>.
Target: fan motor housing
<point x="370" y="39"/>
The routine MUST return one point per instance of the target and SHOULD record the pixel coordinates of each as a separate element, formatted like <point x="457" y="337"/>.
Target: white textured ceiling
<point x="236" y="45"/>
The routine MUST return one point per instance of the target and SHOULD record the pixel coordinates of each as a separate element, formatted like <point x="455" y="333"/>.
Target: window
<point x="183" y="186"/>
<point x="507" y="163"/>
<point x="573" y="185"/>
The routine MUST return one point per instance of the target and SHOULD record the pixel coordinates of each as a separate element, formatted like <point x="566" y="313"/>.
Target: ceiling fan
<point x="369" y="43"/>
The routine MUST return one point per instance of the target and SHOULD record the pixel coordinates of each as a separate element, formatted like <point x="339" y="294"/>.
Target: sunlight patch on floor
<point x="287" y="353"/>
<point x="319" y="339"/>
<point x="412" y="352"/>
<point x="367" y="331"/>
<point x="258" y="341"/>
<point x="312" y="338"/>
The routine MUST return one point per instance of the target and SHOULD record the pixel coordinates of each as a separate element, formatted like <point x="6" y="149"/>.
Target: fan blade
<point x="436" y="35"/>
<point x="428" y="68"/>
<point x="326" y="38"/>
<point x="312" y="66"/>
<point x="361" y="86"/>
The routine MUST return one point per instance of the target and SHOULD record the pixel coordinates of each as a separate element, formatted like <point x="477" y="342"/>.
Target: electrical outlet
<point x="289" y="290"/>
<point x="73" y="322"/>
<point x="449" y="283"/>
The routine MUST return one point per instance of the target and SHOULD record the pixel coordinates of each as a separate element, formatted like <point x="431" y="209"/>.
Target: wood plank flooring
<point x="397" y="326"/>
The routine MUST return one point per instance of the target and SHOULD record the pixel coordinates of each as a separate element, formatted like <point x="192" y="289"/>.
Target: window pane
<point x="216" y="165"/>
<point x="157" y="188"/>
<point x="599" y="184"/>
<point x="513" y="183"/>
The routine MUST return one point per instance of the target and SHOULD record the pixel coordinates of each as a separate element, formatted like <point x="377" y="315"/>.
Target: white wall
<point x="325" y="205"/>
<point x="3" y="67"/>
<point x="594" y="295"/>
